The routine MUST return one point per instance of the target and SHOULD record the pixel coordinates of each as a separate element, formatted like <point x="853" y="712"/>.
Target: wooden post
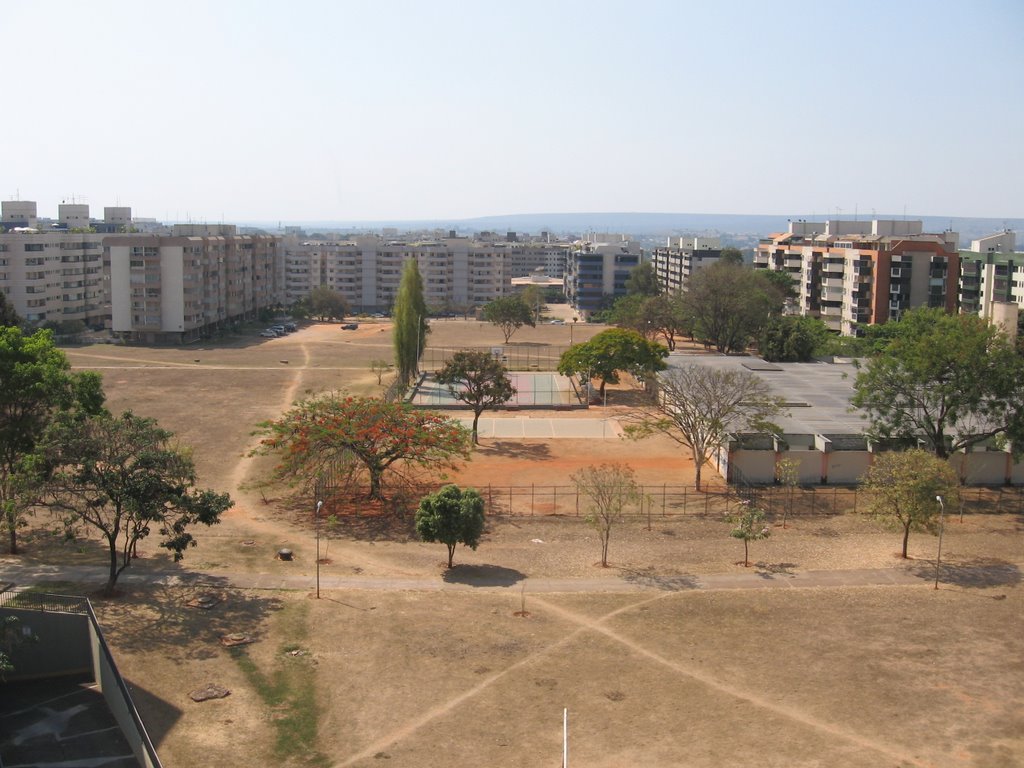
<point x="533" y="495"/>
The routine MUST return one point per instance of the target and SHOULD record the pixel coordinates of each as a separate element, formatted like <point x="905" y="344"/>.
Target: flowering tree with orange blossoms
<point x="320" y="432"/>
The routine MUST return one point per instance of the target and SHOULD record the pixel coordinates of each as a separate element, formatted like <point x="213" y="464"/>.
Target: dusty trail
<point x="693" y="673"/>
<point x="440" y="710"/>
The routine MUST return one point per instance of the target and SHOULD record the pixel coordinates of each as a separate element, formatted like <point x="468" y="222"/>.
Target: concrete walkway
<point x="482" y="577"/>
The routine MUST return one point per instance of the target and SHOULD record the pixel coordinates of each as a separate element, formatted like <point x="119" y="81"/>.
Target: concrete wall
<point x="61" y="645"/>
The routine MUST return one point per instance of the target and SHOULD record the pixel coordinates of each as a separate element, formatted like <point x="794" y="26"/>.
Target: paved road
<point x="16" y="574"/>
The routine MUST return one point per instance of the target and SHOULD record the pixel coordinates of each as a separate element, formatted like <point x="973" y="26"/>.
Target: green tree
<point x="611" y="490"/>
<point x="792" y="339"/>
<point x="509" y="313"/>
<point x="783" y="281"/>
<point x="8" y="317"/>
<point x="700" y="406"/>
<point x="903" y="486"/>
<point x="327" y="304"/>
<point x="750" y="527"/>
<point x="787" y="474"/>
<point x="451" y="516"/>
<point x="952" y="381"/>
<point x="318" y="432"/>
<point x="643" y="280"/>
<point x="731" y="255"/>
<point x="730" y="304"/>
<point x="123" y="476"/>
<point x="410" y="322"/>
<point x="666" y="315"/>
<point x="379" y="368"/>
<point x="533" y="297"/>
<point x="611" y="352"/>
<point x="479" y="380"/>
<point x="35" y="383"/>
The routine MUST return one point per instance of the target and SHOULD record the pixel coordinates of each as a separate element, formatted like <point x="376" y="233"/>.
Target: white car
<point x="268" y="334"/>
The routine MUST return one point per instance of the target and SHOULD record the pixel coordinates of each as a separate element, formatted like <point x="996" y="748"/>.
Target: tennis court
<point x="533" y="390"/>
<point x="525" y="427"/>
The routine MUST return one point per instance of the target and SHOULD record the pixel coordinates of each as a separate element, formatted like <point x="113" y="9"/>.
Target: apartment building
<point x="674" y="265"/>
<point x="854" y="273"/>
<point x="456" y="272"/>
<point x="596" y="274"/>
<point x="992" y="279"/>
<point x="52" y="276"/>
<point x="170" y="289"/>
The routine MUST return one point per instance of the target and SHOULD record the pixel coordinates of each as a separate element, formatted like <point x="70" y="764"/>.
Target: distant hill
<point x="655" y="224"/>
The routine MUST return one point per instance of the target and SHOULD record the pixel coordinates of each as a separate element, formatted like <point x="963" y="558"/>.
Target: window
<point x="33" y="247"/>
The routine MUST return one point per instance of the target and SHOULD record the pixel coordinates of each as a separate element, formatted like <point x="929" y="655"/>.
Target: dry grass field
<point x="423" y="666"/>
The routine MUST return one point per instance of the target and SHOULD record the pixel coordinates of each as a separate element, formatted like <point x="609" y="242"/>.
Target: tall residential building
<point x="456" y="272"/>
<point x="675" y="265"/>
<point x="853" y="273"/>
<point x="596" y="274"/>
<point x="992" y="280"/>
<point x="180" y="287"/>
<point x="52" y="276"/>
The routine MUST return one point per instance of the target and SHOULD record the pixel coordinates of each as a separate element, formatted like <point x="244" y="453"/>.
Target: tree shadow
<point x="974" y="573"/>
<point x="770" y="570"/>
<point x="482" y="575"/>
<point x="184" y="621"/>
<point x="649" y="577"/>
<point x="515" y="450"/>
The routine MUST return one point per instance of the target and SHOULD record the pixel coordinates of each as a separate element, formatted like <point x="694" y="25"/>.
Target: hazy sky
<point x="435" y="109"/>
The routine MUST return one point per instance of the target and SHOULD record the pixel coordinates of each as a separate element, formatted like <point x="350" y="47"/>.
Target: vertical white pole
<point x="565" y="738"/>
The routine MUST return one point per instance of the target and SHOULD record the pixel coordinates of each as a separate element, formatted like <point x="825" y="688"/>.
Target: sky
<point x="377" y="110"/>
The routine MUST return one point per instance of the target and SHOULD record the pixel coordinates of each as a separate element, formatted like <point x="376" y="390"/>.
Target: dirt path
<point x="799" y="716"/>
<point x="440" y="710"/>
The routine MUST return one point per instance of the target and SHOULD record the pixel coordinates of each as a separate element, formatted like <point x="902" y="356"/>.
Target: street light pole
<point x="942" y="520"/>
<point x="319" y="504"/>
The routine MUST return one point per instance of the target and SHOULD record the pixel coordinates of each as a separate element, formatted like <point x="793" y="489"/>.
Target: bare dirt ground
<point x="661" y="676"/>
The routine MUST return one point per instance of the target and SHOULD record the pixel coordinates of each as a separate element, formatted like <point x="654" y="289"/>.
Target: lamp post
<point x="571" y="326"/>
<point x="942" y="519"/>
<point x="319" y="504"/>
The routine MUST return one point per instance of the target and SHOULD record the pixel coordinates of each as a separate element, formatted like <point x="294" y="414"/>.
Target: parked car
<point x="291" y="327"/>
<point x="268" y="334"/>
<point x="350" y="327"/>
<point x="279" y="329"/>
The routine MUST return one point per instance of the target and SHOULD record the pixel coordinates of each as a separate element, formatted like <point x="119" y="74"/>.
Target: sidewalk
<point x="25" y="575"/>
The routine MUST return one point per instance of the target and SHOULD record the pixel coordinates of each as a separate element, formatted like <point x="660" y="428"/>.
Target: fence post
<point x="510" y="500"/>
<point x="554" y="499"/>
<point x="533" y="495"/>
<point x="707" y="494"/>
<point x="577" y="502"/>
<point x="664" y="489"/>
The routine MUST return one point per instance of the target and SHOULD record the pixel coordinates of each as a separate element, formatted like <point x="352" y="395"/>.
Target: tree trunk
<point x="451" y="554"/>
<point x="112" y="577"/>
<point x="604" y="549"/>
<point x="375" y="484"/>
<point x="697" y="466"/>
<point x="476" y="418"/>
<point x="12" y="537"/>
<point x="746" y="553"/>
<point x="906" y="535"/>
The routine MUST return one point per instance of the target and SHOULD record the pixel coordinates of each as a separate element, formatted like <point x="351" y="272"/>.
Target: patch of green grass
<point x="289" y="689"/>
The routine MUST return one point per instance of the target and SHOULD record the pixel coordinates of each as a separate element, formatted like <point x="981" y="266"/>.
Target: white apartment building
<point x="852" y="273"/>
<point x="456" y="272"/>
<point x="52" y="276"/>
<point x="675" y="265"/>
<point x="596" y="273"/>
<point x="181" y="287"/>
<point x="992" y="279"/>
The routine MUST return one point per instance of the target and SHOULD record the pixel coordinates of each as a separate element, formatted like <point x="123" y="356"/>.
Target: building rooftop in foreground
<point x="817" y="395"/>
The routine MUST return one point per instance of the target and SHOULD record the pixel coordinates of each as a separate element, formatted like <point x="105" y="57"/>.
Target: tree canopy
<point x="952" y="381"/>
<point x="318" y="432"/>
<point x="904" y="486"/>
<point x="35" y="383"/>
<point x="610" y="352"/>
<point x="730" y="255"/>
<point x="509" y="313"/>
<point x="610" y="490"/>
<point x="8" y="317"/>
<point x="700" y="406"/>
<point x="643" y="280"/>
<point x="792" y="339"/>
<point x="410" y="322"/>
<point x="728" y="305"/>
<point x="451" y="516"/>
<point x="327" y="303"/>
<point x="123" y="476"/>
<point x="478" y="379"/>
